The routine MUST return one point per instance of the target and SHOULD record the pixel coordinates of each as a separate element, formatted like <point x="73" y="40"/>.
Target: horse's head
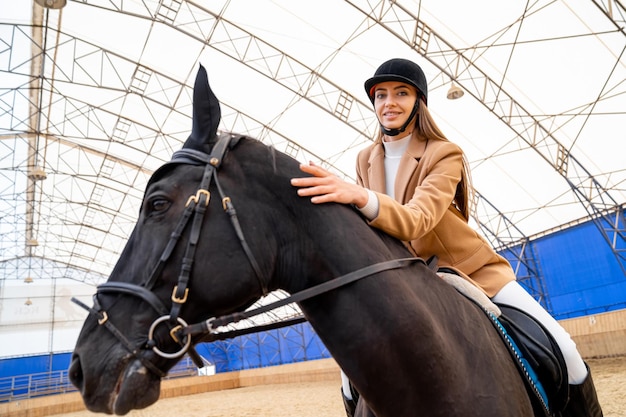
<point x="135" y="332"/>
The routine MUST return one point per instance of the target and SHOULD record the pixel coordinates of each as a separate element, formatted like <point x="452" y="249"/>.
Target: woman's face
<point x="393" y="103"/>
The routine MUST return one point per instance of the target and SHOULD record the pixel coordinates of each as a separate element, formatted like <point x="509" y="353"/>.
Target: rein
<point x="210" y="325"/>
<point x="179" y="330"/>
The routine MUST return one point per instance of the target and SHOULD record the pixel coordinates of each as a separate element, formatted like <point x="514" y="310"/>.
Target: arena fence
<point x="22" y="387"/>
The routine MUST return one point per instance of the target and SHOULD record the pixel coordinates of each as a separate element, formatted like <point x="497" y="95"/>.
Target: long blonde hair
<point x="426" y="127"/>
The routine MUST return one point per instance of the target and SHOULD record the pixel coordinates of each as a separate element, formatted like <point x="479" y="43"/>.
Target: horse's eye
<point x="159" y="205"/>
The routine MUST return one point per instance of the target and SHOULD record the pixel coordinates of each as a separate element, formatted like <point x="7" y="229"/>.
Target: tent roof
<point x="98" y="95"/>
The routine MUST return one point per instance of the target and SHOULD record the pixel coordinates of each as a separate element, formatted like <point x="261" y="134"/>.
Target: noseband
<point x="196" y="205"/>
<point x="179" y="330"/>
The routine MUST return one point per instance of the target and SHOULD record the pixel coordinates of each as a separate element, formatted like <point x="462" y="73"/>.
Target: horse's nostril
<point x="75" y="372"/>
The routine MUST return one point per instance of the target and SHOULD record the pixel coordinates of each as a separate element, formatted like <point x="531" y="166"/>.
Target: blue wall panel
<point x="34" y="364"/>
<point x="291" y="344"/>
<point x="582" y="275"/>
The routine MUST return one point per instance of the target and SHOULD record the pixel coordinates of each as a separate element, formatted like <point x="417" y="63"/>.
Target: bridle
<point x="179" y="330"/>
<point x="193" y="215"/>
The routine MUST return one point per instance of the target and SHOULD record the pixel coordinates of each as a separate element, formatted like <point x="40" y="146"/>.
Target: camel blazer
<point x="423" y="215"/>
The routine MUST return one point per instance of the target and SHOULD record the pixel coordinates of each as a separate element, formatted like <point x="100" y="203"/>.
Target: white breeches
<point x="345" y="386"/>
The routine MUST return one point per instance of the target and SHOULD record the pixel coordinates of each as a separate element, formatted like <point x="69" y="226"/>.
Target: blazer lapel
<point x="376" y="169"/>
<point x="408" y="166"/>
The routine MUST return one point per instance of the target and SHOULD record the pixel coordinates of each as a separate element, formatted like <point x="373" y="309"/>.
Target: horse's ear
<point x="206" y="115"/>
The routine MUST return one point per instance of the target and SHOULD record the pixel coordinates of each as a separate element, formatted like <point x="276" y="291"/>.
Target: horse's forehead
<point x="164" y="173"/>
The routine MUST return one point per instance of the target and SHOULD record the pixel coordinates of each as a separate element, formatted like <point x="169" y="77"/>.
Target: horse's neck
<point x="333" y="241"/>
<point x="346" y="245"/>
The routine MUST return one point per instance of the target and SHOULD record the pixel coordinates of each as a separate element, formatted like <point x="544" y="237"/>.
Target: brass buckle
<point x="174" y="331"/>
<point x="225" y="202"/>
<point x="196" y="198"/>
<point x="178" y="300"/>
<point x="104" y="318"/>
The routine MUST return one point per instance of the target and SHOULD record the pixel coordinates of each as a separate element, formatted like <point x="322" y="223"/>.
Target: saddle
<point x="534" y="350"/>
<point x="540" y="359"/>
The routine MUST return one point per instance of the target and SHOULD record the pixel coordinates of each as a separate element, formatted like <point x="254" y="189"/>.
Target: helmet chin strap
<point x="396" y="132"/>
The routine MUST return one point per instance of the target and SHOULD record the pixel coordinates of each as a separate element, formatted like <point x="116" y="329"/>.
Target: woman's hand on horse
<point x="325" y="187"/>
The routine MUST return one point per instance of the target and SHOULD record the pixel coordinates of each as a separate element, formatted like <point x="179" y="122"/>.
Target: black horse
<point x="408" y="341"/>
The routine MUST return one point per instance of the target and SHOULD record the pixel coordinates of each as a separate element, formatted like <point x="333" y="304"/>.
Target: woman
<point x="414" y="184"/>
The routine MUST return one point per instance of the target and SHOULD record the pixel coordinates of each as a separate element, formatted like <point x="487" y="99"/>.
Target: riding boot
<point x="349" y="404"/>
<point x="583" y="400"/>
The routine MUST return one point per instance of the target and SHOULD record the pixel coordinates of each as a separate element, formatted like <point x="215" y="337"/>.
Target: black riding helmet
<point x="404" y="71"/>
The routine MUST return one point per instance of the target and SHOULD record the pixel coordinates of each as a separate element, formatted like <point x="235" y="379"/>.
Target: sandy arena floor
<point x="321" y="399"/>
